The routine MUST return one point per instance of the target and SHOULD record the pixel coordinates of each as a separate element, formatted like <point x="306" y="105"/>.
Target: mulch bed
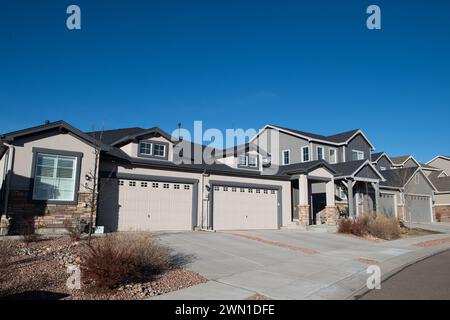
<point x="39" y="271"/>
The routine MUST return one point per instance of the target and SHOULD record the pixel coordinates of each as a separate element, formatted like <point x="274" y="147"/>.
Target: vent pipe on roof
<point x="46" y="121"/>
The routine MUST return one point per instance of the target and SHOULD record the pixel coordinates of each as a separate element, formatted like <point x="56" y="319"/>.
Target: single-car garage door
<point x="388" y="204"/>
<point x="420" y="207"/>
<point x="245" y="207"/>
<point x="145" y="205"/>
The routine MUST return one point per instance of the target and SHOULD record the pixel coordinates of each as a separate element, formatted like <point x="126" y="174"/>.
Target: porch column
<point x="351" y="205"/>
<point x="376" y="187"/>
<point x="331" y="204"/>
<point x="303" y="203"/>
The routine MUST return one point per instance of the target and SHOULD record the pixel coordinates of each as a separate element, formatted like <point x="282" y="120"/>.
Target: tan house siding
<point x="47" y="217"/>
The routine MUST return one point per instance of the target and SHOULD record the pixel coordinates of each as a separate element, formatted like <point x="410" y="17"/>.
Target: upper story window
<point x="382" y="168"/>
<point x="159" y="150"/>
<point x="416" y="179"/>
<point x="248" y="160"/>
<point x="332" y="155"/>
<point x="152" y="149"/>
<point x="55" y="177"/>
<point x="319" y="153"/>
<point x="357" y="155"/>
<point x="305" y="154"/>
<point x="242" y="160"/>
<point x="252" y="161"/>
<point x="286" y="157"/>
<point x="145" y="148"/>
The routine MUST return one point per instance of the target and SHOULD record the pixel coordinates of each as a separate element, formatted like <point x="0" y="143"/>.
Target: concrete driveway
<point x="287" y="264"/>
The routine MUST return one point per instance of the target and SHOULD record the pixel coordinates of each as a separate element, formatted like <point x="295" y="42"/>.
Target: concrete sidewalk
<point x="289" y="264"/>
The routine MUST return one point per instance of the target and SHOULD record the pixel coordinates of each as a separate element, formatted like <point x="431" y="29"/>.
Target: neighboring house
<point x="407" y="193"/>
<point x="404" y="162"/>
<point x="348" y="153"/>
<point x="149" y="180"/>
<point x="441" y="180"/>
<point x="381" y="161"/>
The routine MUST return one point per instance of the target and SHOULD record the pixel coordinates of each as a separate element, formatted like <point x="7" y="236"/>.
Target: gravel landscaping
<point x="38" y="270"/>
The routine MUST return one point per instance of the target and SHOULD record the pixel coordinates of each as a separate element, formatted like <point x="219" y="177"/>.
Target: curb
<point x="364" y="290"/>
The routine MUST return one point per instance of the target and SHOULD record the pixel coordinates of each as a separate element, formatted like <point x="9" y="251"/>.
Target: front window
<point x="286" y="157"/>
<point x="332" y="155"/>
<point x="243" y="160"/>
<point x="54" y="177"/>
<point x="252" y="161"/>
<point x="160" y="150"/>
<point x="145" y="148"/>
<point x="357" y="155"/>
<point x="319" y="153"/>
<point x="305" y="154"/>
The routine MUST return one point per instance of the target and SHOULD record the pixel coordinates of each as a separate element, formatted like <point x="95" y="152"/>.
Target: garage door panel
<point x="237" y="208"/>
<point x="148" y="205"/>
<point x="419" y="207"/>
<point x="388" y="204"/>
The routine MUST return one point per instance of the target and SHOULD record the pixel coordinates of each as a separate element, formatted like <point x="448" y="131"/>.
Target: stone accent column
<point x="304" y="214"/>
<point x="400" y="212"/>
<point x="303" y="192"/>
<point x="331" y="215"/>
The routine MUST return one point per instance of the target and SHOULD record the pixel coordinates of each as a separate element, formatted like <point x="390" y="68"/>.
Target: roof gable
<point x="336" y="139"/>
<point x="60" y="126"/>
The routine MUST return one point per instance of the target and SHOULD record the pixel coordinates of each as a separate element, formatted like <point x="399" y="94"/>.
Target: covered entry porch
<point x="358" y="185"/>
<point x="313" y="193"/>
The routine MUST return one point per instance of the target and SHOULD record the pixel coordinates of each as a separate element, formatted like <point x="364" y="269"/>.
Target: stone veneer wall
<point x="44" y="217"/>
<point x="444" y="211"/>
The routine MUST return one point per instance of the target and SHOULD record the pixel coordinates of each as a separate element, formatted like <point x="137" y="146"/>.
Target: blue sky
<point x="312" y="66"/>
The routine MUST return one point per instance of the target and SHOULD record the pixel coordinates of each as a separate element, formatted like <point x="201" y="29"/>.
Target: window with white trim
<point x="252" y="161"/>
<point x="242" y="160"/>
<point x="286" y="157"/>
<point x="305" y="154"/>
<point x="145" y="148"/>
<point x="416" y="179"/>
<point x="319" y="153"/>
<point x="382" y="168"/>
<point x="159" y="150"/>
<point x="332" y="155"/>
<point x="54" y="177"/>
<point x="357" y="155"/>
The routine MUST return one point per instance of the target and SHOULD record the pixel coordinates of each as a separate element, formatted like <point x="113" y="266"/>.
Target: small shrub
<point x="73" y="230"/>
<point x="114" y="260"/>
<point x="345" y="225"/>
<point x="384" y="227"/>
<point x="28" y="232"/>
<point x="360" y="226"/>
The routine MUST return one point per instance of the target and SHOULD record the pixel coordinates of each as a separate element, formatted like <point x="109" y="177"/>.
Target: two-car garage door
<point x="245" y="207"/>
<point x="419" y="206"/>
<point x="146" y="205"/>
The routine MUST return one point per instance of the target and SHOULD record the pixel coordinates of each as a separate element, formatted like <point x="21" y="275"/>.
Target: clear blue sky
<point x="312" y="66"/>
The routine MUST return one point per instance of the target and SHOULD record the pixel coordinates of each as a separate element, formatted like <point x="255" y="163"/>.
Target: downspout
<point x="204" y="200"/>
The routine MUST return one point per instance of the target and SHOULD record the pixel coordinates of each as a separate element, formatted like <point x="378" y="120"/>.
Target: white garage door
<point x="240" y="208"/>
<point x="136" y="205"/>
<point x="419" y="206"/>
<point x="388" y="204"/>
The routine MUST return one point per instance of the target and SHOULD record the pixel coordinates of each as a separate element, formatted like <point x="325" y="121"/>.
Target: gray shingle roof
<point x="336" y="138"/>
<point x="442" y="184"/>
<point x="347" y="168"/>
<point x="374" y="156"/>
<point x="397" y="178"/>
<point x="400" y="159"/>
<point x="110" y="136"/>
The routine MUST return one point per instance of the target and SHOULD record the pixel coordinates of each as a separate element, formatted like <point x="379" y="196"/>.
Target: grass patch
<point x="416" y="232"/>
